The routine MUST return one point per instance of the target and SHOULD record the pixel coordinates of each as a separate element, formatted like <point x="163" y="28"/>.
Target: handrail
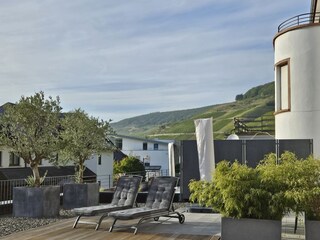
<point x="299" y="20"/>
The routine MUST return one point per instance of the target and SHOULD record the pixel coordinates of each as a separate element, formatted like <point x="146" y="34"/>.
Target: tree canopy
<point x="30" y="128"/>
<point x="81" y="137"/>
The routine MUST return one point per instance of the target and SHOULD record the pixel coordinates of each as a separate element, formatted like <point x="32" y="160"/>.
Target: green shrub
<point x="269" y="191"/>
<point x="31" y="181"/>
<point x="240" y="191"/>
<point x="130" y="165"/>
<point x="300" y="178"/>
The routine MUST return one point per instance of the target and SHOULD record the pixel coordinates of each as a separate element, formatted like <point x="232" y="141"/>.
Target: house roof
<point x="4" y="105"/>
<point x="24" y="172"/>
<point x="118" y="155"/>
<point x="152" y="168"/>
<point x="143" y="139"/>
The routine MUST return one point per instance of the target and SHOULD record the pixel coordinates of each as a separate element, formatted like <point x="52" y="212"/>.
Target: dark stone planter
<point x="250" y="229"/>
<point x="40" y="202"/>
<point x="77" y="195"/>
<point x="312" y="229"/>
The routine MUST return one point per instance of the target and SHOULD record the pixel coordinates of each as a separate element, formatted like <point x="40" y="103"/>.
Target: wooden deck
<point x="167" y="229"/>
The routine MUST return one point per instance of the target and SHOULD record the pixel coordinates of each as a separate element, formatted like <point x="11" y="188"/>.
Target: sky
<point x="118" y="59"/>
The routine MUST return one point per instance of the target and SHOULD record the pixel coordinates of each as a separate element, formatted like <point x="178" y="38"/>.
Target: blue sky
<point x="122" y="58"/>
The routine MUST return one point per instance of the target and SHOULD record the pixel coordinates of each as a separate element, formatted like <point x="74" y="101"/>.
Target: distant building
<point x="297" y="84"/>
<point x="152" y="152"/>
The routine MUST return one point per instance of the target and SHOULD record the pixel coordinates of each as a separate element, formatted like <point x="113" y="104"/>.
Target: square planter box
<point x="250" y="229"/>
<point x="36" y="202"/>
<point x="77" y="195"/>
<point x="312" y="229"/>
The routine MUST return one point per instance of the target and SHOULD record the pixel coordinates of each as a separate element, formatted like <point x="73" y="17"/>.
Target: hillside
<point x="255" y="103"/>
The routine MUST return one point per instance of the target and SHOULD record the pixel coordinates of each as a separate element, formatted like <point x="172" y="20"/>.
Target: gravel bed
<point x="10" y="225"/>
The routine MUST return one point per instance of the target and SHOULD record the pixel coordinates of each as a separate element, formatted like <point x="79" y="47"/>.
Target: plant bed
<point x="41" y="202"/>
<point x="250" y="229"/>
<point x="77" y="195"/>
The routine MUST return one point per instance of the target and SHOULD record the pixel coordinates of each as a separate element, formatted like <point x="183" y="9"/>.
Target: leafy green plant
<point x="31" y="182"/>
<point x="240" y="191"/>
<point x="129" y="164"/>
<point x="274" y="188"/>
<point x="300" y="178"/>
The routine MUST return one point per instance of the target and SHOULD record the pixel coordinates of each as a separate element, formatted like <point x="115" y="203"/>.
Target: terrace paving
<point x="197" y="226"/>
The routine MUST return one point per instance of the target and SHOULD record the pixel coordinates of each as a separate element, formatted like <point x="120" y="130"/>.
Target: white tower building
<point x="297" y="78"/>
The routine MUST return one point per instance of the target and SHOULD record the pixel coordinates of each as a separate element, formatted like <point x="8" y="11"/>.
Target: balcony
<point x="299" y="20"/>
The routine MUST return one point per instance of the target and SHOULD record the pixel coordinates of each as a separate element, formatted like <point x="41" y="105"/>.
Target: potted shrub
<point x="31" y="129"/>
<point x="312" y="214"/>
<point x="311" y="197"/>
<point x="303" y="178"/>
<point x="82" y="137"/>
<point x="246" y="198"/>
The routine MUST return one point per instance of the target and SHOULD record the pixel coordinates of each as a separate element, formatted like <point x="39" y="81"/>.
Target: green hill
<point x="256" y="104"/>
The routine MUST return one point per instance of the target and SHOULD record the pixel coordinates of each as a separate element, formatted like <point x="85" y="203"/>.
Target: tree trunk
<point x="81" y="170"/>
<point x="36" y="174"/>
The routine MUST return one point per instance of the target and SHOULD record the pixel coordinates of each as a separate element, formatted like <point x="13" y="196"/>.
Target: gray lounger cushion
<point x="134" y="213"/>
<point x="159" y="200"/>
<point x="123" y="197"/>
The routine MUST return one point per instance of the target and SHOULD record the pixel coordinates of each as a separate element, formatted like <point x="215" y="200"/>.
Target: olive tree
<point x="30" y="128"/>
<point x="82" y="137"/>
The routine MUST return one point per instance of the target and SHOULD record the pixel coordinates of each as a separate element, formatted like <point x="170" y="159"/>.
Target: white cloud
<point x="118" y="59"/>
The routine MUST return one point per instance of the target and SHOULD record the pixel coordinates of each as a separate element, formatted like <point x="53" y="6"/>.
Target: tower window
<point x="283" y="92"/>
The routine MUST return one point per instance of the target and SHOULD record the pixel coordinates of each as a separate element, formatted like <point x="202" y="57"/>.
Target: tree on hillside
<point x="30" y="129"/>
<point x="82" y="136"/>
<point x="239" y="97"/>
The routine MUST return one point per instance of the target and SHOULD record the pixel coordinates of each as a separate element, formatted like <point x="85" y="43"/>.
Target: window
<point x="283" y="94"/>
<point x="99" y="160"/>
<point x="145" y="146"/>
<point x="14" y="160"/>
<point x="156" y="146"/>
<point x="118" y="143"/>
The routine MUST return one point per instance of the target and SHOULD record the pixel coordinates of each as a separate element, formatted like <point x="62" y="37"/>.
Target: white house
<point x="152" y="152"/>
<point x="297" y="84"/>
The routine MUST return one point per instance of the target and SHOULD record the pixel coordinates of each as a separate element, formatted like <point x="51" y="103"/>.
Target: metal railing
<point x="302" y="19"/>
<point x="105" y="181"/>
<point x="254" y="125"/>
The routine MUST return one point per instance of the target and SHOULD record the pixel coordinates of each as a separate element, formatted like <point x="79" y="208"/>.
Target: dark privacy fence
<point x="248" y="152"/>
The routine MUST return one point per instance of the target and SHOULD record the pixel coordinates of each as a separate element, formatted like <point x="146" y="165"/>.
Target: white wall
<point x="5" y="156"/>
<point x="302" y="122"/>
<point x="104" y="171"/>
<point x="134" y="147"/>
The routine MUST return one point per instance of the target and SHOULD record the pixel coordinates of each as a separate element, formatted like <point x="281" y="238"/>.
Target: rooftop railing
<point x="302" y="19"/>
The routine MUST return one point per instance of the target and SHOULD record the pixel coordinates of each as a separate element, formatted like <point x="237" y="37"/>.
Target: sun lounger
<point x="158" y="204"/>
<point x="124" y="197"/>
